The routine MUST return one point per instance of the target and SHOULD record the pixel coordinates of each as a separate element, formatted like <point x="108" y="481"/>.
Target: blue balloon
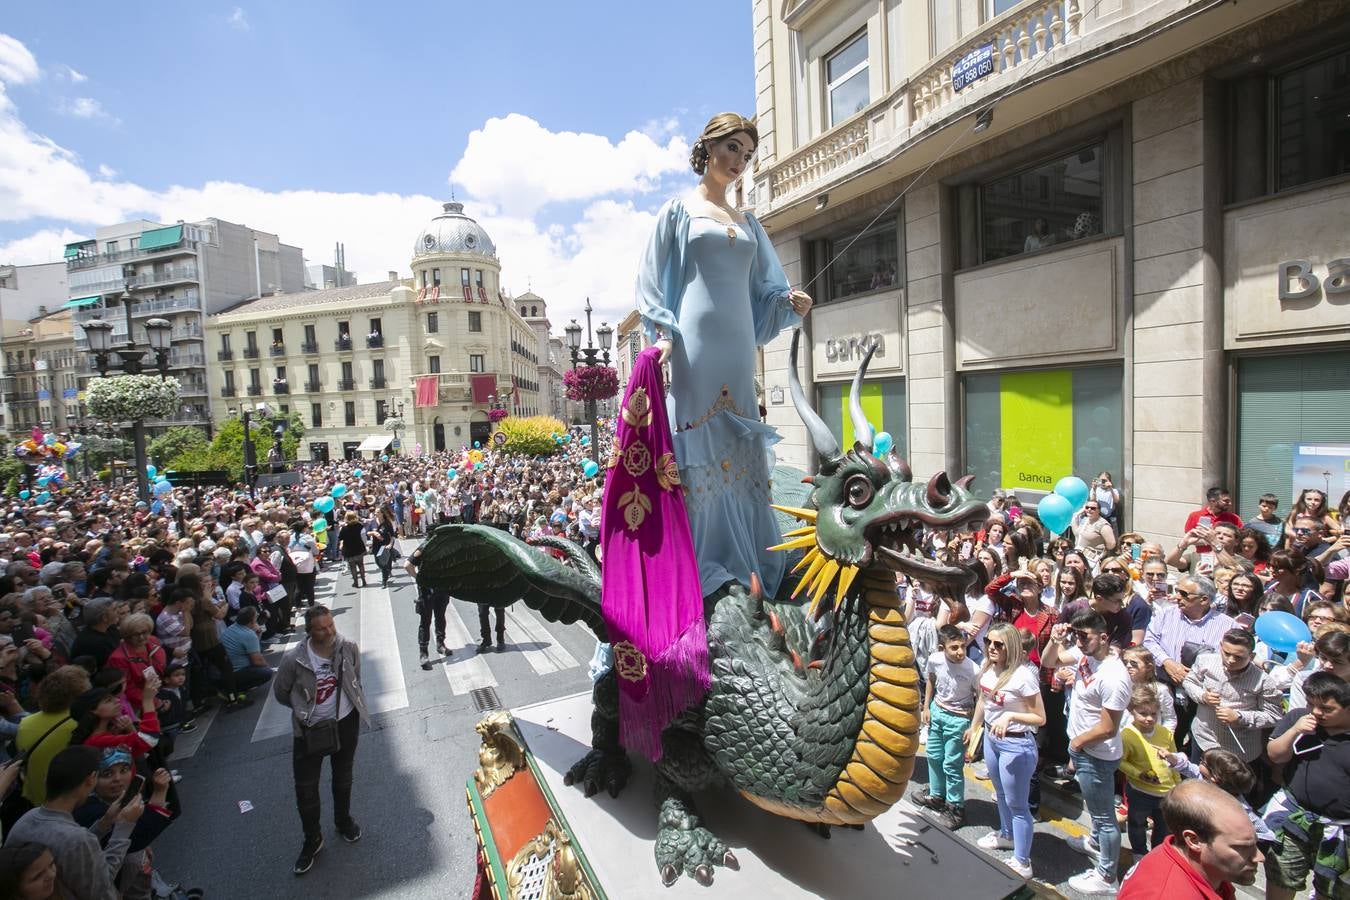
<point x="24" y="495"/>
<point x="157" y="507"/>
<point x="590" y="469"/>
<point x="42" y="481"/>
<point x="162" y="487"/>
<point x="151" y="471"/>
<point x="477" y="445"/>
<point x="882" y="443"/>
<point x="338" y="490"/>
<point x="452" y="473"/>
<point x="384" y="457"/>
<point x="478" y="465"/>
<point x="1054" y="512"/>
<point x="161" y="479"/>
<point x="356" y="473"/>
<point x="1072" y="488"/>
<point x="324" y="504"/>
<point x="1282" y="631"/>
<point x="44" y="497"/>
<point x="585" y="440"/>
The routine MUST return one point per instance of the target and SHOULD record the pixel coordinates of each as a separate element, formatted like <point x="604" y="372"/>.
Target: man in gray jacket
<point x="320" y="680"/>
<point x="83" y="868"/>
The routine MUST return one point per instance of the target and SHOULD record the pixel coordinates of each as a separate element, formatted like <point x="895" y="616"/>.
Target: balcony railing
<point x="280" y="387"/>
<point x="187" y="333"/>
<point x="227" y="391"/>
<point x="167" y="304"/>
<point x="192" y="388"/>
<point x="346" y="384"/>
<point x="255" y="390"/>
<point x="167" y="275"/>
<point x="1019" y="38"/>
<point x="251" y="353"/>
<point x="103" y="259"/>
<point x="186" y="360"/>
<point x="277" y="350"/>
<point x="313" y="387"/>
<point x="224" y="355"/>
<point x="343" y="343"/>
<point x="309" y="347"/>
<point x="374" y="340"/>
<point x="377" y="383"/>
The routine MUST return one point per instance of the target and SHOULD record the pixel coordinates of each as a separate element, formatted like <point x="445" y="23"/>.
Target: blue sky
<point x="345" y="121"/>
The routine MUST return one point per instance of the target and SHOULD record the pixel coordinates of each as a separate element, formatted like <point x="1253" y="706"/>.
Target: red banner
<point x="481" y="387"/>
<point x="427" y="390"/>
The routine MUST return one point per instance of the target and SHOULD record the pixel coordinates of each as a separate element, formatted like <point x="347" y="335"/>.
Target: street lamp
<point x="157" y="331"/>
<point x="593" y="356"/>
<point x="395" y="422"/>
<point x="250" y="451"/>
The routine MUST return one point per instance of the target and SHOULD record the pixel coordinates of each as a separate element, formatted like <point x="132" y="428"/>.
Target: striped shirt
<point x="1258" y="700"/>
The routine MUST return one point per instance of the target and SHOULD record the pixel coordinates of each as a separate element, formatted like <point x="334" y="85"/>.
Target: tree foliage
<point x="226" y="450"/>
<point x="532" y="435"/>
<point x="175" y="442"/>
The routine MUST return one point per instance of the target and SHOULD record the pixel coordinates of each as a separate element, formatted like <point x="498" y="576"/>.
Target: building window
<point x="229" y="380"/>
<point x="311" y="337"/>
<point x="464" y="277"/>
<point x="251" y="340"/>
<point x="276" y="337"/>
<point x="224" y="343"/>
<point x="316" y="415"/>
<point x="433" y="323"/>
<point x="1312" y="121"/>
<point x="1056" y="201"/>
<point x="866" y="261"/>
<point x="381" y="411"/>
<point x="999" y="7"/>
<point x="475" y="321"/>
<point x="313" y="370"/>
<point x="255" y="377"/>
<point x="1026" y="430"/>
<point x="478" y="278"/>
<point x="435" y="278"/>
<point x="424" y="279"/>
<point x="349" y="413"/>
<point x="534" y="311"/>
<point x="523" y="313"/>
<point x="476" y="363"/>
<point x="375" y="328"/>
<point x="110" y="247"/>
<point x="347" y="372"/>
<point x="344" y="331"/>
<point x="846" y="87"/>
<point x="281" y="373"/>
<point x="434" y="364"/>
<point x="377" y="368"/>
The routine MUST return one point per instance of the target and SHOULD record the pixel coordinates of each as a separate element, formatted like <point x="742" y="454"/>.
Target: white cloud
<point x="70" y="74"/>
<point x="519" y="166"/>
<point x="40" y="247"/>
<point x="106" y="171"/>
<point x="85" y="108"/>
<point x="238" y="19"/>
<point x="17" y="64"/>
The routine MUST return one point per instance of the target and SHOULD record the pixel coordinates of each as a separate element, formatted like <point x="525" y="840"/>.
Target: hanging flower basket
<point x="496" y="415"/>
<point x="591" y="383"/>
<point x="126" y="398"/>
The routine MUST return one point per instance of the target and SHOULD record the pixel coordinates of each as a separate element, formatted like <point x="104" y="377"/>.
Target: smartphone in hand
<point x="133" y="789"/>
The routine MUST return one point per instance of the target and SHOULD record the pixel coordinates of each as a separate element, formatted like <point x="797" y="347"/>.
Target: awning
<point x="159" y="238"/>
<point x="73" y="250"/>
<point x="81" y="301"/>
<point x="376" y="442"/>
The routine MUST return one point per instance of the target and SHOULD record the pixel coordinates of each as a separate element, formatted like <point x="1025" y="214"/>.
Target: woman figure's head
<point x="1058" y="547"/>
<point x="724" y="149"/>
<point x="1333" y="650"/>
<point x="1244" y="591"/>
<point x="1252" y="545"/>
<point x="992" y="562"/>
<point x="1140" y="664"/>
<point x="1288" y="567"/>
<point x="1003" y="651"/>
<point x="1104" y="480"/>
<point x="1311" y="502"/>
<point x="1323" y="612"/>
<point x="1074" y="559"/>
<point x="1068" y="586"/>
<point x="994" y="531"/>
<point x="1120" y="567"/>
<point x="1044" y="570"/>
<point x="27" y="871"/>
<point x="136" y="629"/>
<point x="1222" y="576"/>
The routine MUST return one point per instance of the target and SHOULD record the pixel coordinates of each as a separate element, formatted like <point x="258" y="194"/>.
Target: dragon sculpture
<point x="813" y="710"/>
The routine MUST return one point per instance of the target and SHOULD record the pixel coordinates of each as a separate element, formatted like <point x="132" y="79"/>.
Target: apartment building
<point x="1084" y="235"/>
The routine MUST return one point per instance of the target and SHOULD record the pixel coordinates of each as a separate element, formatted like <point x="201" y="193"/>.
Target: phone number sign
<point x="977" y="64"/>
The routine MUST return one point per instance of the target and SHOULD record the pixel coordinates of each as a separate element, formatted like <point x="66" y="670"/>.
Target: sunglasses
<point x="1114" y="571"/>
<point x="1186" y="595"/>
<point x="1091" y="507"/>
<point x="994" y="645"/>
<point x="1302" y="531"/>
<point x="1082" y="635"/>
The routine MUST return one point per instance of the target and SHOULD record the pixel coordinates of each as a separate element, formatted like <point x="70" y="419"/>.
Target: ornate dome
<point x="453" y="232"/>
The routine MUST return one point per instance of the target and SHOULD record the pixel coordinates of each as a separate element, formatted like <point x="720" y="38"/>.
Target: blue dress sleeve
<point x="769" y="289"/>
<point x="660" y="274"/>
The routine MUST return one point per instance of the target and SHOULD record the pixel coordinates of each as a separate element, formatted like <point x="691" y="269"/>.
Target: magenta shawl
<point x="650" y="593"/>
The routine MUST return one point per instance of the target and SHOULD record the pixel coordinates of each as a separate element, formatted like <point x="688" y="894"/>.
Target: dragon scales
<point x="812" y="713"/>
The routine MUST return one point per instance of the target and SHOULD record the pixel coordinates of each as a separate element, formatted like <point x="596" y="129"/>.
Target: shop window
<point x="846" y="87"/>
<point x="863" y="261"/>
<point x="1054" y="202"/>
<point x="1026" y="430"/>
<point x="1292" y="429"/>
<point x="883" y="400"/>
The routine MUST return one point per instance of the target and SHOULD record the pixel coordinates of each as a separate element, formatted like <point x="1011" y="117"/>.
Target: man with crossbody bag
<point x="41" y="736"/>
<point x="320" y="681"/>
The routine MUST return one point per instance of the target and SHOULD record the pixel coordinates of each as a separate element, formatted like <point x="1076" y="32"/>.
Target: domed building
<point x="439" y="351"/>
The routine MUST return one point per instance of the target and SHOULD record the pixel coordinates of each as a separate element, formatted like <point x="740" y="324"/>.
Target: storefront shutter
<point x="1284" y="401"/>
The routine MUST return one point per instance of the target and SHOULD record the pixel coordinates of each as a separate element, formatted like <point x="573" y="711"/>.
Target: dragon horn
<point x="862" y="429"/>
<point x="821" y="438"/>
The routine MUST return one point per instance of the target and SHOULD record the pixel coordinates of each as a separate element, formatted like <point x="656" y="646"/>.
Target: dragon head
<point x="866" y="509"/>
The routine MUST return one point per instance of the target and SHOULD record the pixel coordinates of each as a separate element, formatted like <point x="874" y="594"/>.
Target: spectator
<point x="1188" y="558"/>
<point x="28" y="872"/>
<point x="138" y="652"/>
<point x="1266" y="523"/>
<point x="950" y="691"/>
<point x="1244" y="593"/>
<point x="1312" y="746"/>
<point x="1144" y="673"/>
<point x="102" y="724"/>
<point x="1108" y="599"/>
<point x="44" y="734"/>
<point x="1218" y="508"/>
<point x="352" y="542"/>
<point x="1092" y="533"/>
<point x="1212" y="846"/>
<point x="243" y="647"/>
<point x="1294" y="578"/>
<point x="1146" y="743"/>
<point x="1108" y="498"/>
<point x="99" y="637"/>
<point x="1312" y="504"/>
<point x="1179" y="634"/>
<point x="114" y="777"/>
<point x="87" y="870"/>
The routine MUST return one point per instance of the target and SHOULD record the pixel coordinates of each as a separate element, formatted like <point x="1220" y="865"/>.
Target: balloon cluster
<point x="45" y="446"/>
<point x="1056" y="511"/>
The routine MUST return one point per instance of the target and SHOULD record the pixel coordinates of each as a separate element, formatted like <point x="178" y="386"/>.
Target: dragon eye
<point x="860" y="491"/>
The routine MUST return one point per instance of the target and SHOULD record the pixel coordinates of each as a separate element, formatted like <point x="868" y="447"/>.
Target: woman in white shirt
<point x="1010" y="710"/>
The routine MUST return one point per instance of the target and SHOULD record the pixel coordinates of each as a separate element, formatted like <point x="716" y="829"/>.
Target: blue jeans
<point x="946" y="752"/>
<point x="1142" y="808"/>
<point x="1097" y="779"/>
<point x="1011" y="761"/>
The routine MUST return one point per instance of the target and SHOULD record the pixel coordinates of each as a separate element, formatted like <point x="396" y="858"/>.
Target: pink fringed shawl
<point x="650" y="593"/>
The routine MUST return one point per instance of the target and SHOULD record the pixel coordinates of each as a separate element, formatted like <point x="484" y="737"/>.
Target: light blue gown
<point x="719" y="295"/>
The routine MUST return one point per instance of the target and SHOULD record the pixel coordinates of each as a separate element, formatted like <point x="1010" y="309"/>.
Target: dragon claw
<point x="669" y="874"/>
<point x="684" y="846"/>
<point x="730" y="861"/>
<point x="600" y="769"/>
<point x="703" y="875"/>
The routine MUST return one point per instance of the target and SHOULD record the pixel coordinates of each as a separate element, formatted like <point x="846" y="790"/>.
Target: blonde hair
<point x="1144" y="657"/>
<point x="719" y="128"/>
<point x="1014" y="657"/>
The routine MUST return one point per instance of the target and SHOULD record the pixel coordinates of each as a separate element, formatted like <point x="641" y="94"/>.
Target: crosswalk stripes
<point x="548" y="655"/>
<point x="381" y="664"/>
<point x="469" y="671"/>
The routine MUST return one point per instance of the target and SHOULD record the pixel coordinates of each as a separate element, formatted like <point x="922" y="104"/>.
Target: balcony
<point x="377" y="383"/>
<point x="103" y="259"/>
<point x="313" y="387"/>
<point x="374" y="340"/>
<point x="187" y="333"/>
<point x="277" y="350"/>
<point x="309" y="347"/>
<point x="227" y="391"/>
<point x="255" y="390"/>
<point x="167" y="275"/>
<point x="251" y="353"/>
<point x="281" y="387"/>
<point x="452" y="387"/>
<point x="346" y="384"/>
<point x="186" y="360"/>
<point x="224" y="355"/>
<point x="343" y="344"/>
<point x="192" y="388"/>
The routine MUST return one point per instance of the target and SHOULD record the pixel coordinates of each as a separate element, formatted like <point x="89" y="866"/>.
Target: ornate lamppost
<point x="593" y="356"/>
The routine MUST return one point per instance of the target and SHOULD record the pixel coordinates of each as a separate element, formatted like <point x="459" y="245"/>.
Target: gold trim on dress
<point x="723" y="402"/>
<point x="637" y="411"/>
<point x="667" y="472"/>
<point x="629" y="662"/>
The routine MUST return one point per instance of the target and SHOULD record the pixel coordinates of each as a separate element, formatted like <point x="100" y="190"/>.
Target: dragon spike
<point x="798" y="532"/>
<point x="862" y="428"/>
<point x="821" y="438"/>
<point x="807" y="541"/>
<point x="807" y="558"/>
<point x="939" y="490"/>
<point x="823" y="580"/>
<point x="816" y="565"/>
<point x="965" y="481"/>
<point x="806" y="515"/>
<point x="846" y="576"/>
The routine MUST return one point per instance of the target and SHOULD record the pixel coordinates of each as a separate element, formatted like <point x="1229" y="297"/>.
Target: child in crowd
<point x="171" y="705"/>
<point x="949" y="702"/>
<point x="1143" y="671"/>
<point x="1148" y="776"/>
<point x="1226" y="770"/>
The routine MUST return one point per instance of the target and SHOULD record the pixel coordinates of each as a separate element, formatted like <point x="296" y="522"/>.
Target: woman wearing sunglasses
<point x="1010" y="710"/>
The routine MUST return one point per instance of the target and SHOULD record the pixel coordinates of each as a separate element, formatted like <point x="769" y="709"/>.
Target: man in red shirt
<point x="1212" y="847"/>
<point x="1218" y="508"/>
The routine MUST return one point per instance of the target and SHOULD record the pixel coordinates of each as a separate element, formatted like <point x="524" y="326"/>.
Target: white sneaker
<point x="981" y="770"/>
<point x="1023" y="870"/>
<point x="994" y="841"/>
<point x="1085" y="845"/>
<point x="1091" y="882"/>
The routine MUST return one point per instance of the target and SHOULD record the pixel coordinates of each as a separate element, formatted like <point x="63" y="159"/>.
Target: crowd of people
<point x="1119" y="668"/>
<point x="122" y="621"/>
